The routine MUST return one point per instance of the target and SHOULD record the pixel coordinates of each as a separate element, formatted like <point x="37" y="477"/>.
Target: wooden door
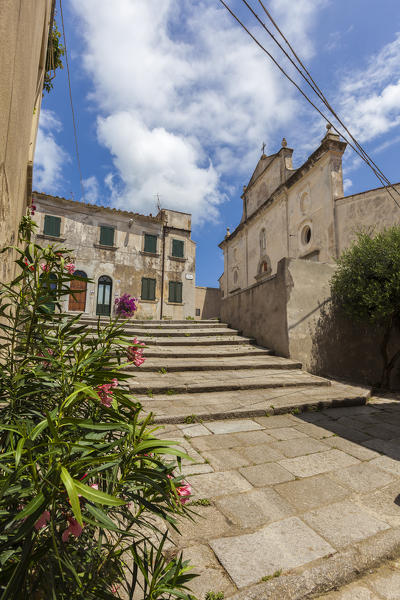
<point x="77" y="299"/>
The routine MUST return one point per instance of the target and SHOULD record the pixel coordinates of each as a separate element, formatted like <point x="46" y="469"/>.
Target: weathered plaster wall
<point x="126" y="262"/>
<point x="208" y="302"/>
<point x="259" y="311"/>
<point x="291" y="313"/>
<point x="24" y="27"/>
<point x="373" y="210"/>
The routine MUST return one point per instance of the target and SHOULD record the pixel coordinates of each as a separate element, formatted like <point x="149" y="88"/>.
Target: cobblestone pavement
<point x="285" y="493"/>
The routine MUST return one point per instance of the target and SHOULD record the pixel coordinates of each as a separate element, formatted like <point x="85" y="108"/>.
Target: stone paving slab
<point x="346" y="496"/>
<point x="282" y="545"/>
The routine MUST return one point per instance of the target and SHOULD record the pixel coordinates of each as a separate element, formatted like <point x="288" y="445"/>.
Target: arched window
<point x="263" y="241"/>
<point x="235" y="276"/>
<point x="77" y="297"/>
<point x="104" y="290"/>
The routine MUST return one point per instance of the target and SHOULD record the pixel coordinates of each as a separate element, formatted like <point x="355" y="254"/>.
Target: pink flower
<point x="45" y="268"/>
<point x="42" y="520"/>
<point x="70" y="267"/>
<point x="115" y="588"/>
<point x="31" y="268"/>
<point x="135" y="354"/>
<point x="95" y="486"/>
<point x="74" y="529"/>
<point x="114" y="383"/>
<point x="184" y="492"/>
<point x="105" y="393"/>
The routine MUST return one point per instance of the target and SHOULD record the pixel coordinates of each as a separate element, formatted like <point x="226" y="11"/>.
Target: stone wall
<point x="24" y="27"/>
<point x="208" y="302"/>
<point x="291" y="313"/>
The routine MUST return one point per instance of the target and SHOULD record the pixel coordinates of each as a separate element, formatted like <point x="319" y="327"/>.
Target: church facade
<point x="298" y="213"/>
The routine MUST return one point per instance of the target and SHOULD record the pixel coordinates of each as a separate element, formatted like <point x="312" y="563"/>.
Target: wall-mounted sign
<point x="189" y="276"/>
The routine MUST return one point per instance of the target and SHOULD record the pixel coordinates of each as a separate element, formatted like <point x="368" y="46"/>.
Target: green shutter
<point x="148" y="289"/>
<point x="150" y="243"/>
<point x="175" y="291"/>
<point x="52" y="226"/>
<point x="177" y="248"/>
<point x="106" y="236"/>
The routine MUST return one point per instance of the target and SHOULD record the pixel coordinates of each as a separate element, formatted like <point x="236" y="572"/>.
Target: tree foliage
<point x="366" y="285"/>
<point x="55" y="52"/>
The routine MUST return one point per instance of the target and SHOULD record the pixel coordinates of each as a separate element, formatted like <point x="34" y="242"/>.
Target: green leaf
<point x="70" y="486"/>
<point x="31" y="507"/>
<point x="96" y="495"/>
<point x="18" y="451"/>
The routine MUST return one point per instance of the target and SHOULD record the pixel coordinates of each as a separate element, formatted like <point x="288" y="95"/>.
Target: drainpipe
<point x="162" y="272"/>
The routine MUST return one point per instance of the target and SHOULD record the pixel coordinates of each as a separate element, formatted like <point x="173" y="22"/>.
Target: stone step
<point x="175" y="365"/>
<point x="149" y="323"/>
<point x="212" y="381"/>
<point x="197" y="407"/>
<point x="145" y="333"/>
<point x="197" y="341"/>
<point x="208" y="352"/>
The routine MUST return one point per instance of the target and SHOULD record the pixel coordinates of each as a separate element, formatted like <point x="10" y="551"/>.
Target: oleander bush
<point x="86" y="487"/>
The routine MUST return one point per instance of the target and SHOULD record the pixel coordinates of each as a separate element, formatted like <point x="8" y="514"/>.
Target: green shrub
<point x="366" y="285"/>
<point x="85" y="490"/>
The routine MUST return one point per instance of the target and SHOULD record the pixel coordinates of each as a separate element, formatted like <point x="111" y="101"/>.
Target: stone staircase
<point x="204" y="370"/>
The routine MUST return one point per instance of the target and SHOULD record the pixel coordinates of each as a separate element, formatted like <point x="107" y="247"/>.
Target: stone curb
<point x="310" y="406"/>
<point x="329" y="573"/>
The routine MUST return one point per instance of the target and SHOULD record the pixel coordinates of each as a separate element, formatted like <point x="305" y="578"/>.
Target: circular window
<point x="306" y="235"/>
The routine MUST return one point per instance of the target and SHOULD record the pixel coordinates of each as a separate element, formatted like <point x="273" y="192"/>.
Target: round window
<point x="306" y="235"/>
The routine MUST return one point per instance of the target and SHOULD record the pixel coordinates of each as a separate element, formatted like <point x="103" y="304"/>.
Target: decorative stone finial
<point x="284" y="143"/>
<point x="244" y="188"/>
<point x="228" y="233"/>
<point x="328" y="127"/>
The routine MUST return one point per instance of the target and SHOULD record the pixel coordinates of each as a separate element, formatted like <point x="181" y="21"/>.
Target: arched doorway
<point x="77" y="297"/>
<point x="104" y="289"/>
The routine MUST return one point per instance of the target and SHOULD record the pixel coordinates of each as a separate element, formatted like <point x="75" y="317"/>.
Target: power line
<point x="314" y="86"/>
<point x="72" y="104"/>
<point x="360" y="152"/>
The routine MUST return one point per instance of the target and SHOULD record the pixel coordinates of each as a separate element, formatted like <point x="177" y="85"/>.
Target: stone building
<point x="298" y="213"/>
<point x="150" y="257"/>
<point x="24" y="33"/>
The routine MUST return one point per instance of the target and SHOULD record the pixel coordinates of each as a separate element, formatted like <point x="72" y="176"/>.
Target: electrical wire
<point x="380" y="176"/>
<point x="72" y="104"/>
<point x="311" y="82"/>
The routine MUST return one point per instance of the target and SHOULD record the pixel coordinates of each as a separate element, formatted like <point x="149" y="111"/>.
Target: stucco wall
<point x="126" y="262"/>
<point x="23" y="44"/>
<point x="208" y="302"/>
<point x="374" y="209"/>
<point x="291" y="313"/>
<point x="260" y="312"/>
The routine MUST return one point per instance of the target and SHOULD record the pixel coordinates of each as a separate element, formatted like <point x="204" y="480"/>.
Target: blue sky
<point x="173" y="98"/>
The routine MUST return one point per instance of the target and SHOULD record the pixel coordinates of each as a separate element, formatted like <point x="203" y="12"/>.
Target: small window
<point x="177" y="248"/>
<point x="175" y="291"/>
<point x="52" y="226"/>
<point x="148" y="289"/>
<point x="306" y="235"/>
<point x="197" y="312"/>
<point x="106" y="236"/>
<point x="150" y="243"/>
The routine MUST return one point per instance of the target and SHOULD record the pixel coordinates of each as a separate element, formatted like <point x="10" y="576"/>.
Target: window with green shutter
<point x="150" y="243"/>
<point x="177" y="248"/>
<point x="106" y="236"/>
<point x="52" y="226"/>
<point x="148" y="289"/>
<point x="175" y="291"/>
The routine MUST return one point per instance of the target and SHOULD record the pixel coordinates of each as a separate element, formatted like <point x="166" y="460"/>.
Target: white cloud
<point x="178" y="85"/>
<point x="347" y="184"/>
<point x="49" y="156"/>
<point x="370" y="98"/>
<point x="91" y="189"/>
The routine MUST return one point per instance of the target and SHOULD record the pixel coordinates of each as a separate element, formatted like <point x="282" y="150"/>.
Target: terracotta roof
<point x="77" y="203"/>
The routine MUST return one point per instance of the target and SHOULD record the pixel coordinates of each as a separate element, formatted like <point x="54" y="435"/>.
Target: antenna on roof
<point x="158" y="201"/>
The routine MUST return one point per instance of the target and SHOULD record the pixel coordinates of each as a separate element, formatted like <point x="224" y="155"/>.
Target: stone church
<point x="298" y="213"/>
